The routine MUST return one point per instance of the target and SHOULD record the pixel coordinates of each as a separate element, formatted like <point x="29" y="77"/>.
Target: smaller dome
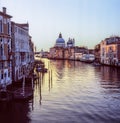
<point x="70" y="42"/>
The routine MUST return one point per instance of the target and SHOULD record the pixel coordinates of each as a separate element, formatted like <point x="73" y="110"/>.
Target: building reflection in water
<point x="44" y="81"/>
<point x="110" y="73"/>
<point x="109" y="78"/>
<point x="15" y="112"/>
<point x="37" y="87"/>
<point x="69" y="89"/>
<point x="58" y="70"/>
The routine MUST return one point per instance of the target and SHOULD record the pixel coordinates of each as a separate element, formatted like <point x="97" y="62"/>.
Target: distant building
<point x="67" y="53"/>
<point x="97" y="53"/>
<point x="52" y="52"/>
<point x="43" y="54"/>
<point x="56" y="53"/>
<point x="72" y="52"/>
<point x="110" y="51"/>
<point x="60" y="42"/>
<point x="5" y="49"/>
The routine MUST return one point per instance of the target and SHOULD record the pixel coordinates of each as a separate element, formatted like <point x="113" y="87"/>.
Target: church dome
<point x="60" y="39"/>
<point x="60" y="42"/>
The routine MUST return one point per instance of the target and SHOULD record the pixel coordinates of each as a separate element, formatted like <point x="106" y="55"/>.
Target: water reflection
<point x="71" y="92"/>
<point x="110" y="80"/>
<point x="110" y="74"/>
<point x="14" y="112"/>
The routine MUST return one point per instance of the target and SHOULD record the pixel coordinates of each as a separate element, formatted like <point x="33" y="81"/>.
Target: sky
<point x="87" y="21"/>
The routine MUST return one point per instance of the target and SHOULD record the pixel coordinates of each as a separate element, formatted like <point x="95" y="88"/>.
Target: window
<point x="2" y="76"/>
<point x="8" y="27"/>
<point x="15" y="29"/>
<point x="2" y="65"/>
<point x="8" y="64"/>
<point x="1" y="50"/>
<point x="0" y="26"/>
<point x="9" y="74"/>
<point x="8" y="49"/>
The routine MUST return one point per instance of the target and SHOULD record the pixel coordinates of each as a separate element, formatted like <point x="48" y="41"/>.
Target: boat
<point x="88" y="58"/>
<point x="96" y="64"/>
<point x="40" y="69"/>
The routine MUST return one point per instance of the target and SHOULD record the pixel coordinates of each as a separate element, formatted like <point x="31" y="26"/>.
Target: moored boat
<point x="39" y="69"/>
<point x="88" y="58"/>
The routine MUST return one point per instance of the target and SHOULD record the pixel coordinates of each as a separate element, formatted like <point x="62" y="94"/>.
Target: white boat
<point x="39" y="69"/>
<point x="89" y="58"/>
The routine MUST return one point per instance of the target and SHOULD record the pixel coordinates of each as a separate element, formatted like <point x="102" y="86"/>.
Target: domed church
<point x="71" y="42"/>
<point x="60" y="42"/>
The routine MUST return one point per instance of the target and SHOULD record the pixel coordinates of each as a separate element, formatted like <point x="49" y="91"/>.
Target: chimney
<point x="4" y="10"/>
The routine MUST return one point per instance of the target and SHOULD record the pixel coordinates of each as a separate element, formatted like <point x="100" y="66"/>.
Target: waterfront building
<point x="110" y="51"/>
<point x="5" y="49"/>
<point x="52" y="53"/>
<point x="60" y="42"/>
<point x="23" y="51"/>
<point x="57" y="52"/>
<point x="69" y="49"/>
<point x="73" y="53"/>
<point x="70" y="52"/>
<point x="31" y="55"/>
<point x="43" y="54"/>
<point x="67" y="53"/>
<point x="97" y="53"/>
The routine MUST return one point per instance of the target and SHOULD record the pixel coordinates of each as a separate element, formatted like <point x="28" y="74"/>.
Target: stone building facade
<point x="5" y="48"/>
<point x="16" y="50"/>
<point x="110" y="51"/>
<point x="22" y="51"/>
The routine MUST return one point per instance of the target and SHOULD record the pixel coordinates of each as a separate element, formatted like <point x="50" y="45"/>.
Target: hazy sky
<point x="88" y="21"/>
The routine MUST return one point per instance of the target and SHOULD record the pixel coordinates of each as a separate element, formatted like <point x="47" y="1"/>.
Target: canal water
<point x="70" y="92"/>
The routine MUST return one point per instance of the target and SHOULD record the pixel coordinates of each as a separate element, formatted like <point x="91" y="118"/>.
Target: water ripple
<point x="76" y="93"/>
